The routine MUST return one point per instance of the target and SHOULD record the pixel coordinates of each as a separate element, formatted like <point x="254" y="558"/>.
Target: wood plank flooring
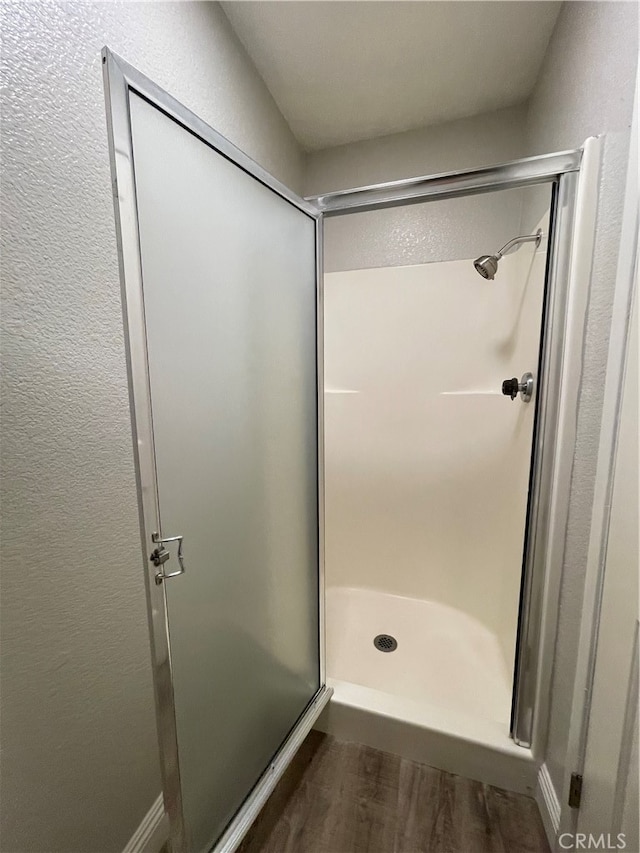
<point x="345" y="798"/>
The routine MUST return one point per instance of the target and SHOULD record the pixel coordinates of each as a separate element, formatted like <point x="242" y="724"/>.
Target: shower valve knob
<point x="511" y="387"/>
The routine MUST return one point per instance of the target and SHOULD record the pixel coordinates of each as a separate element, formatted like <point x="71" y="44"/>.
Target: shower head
<point x="487" y="265"/>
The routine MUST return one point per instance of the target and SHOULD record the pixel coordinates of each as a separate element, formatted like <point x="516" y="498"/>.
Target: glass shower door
<point x="228" y="305"/>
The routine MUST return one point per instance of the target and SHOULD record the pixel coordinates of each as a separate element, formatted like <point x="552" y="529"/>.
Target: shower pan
<point x="222" y="290"/>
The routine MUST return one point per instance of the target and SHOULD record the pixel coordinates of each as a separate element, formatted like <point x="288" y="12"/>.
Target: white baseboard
<point x="549" y="805"/>
<point x="152" y="833"/>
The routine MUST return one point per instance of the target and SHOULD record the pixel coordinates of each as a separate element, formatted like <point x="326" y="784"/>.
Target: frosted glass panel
<point x="230" y="301"/>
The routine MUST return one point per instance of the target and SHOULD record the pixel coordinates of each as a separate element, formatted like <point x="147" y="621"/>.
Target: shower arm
<point x="527" y="238"/>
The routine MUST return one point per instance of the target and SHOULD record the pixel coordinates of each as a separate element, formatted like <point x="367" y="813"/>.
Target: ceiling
<point x="344" y="71"/>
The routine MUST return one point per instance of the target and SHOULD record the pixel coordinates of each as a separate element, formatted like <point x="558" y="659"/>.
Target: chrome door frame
<point x="561" y="171"/>
<point x="120" y="79"/>
<point x="517" y="173"/>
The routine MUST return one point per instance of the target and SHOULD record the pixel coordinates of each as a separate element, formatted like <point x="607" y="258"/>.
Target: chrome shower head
<point x="487" y="265"/>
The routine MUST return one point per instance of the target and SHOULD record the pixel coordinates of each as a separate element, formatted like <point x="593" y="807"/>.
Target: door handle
<point x="160" y="556"/>
<point x="511" y="387"/>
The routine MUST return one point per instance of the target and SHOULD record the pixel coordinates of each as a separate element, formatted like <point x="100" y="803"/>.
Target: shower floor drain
<point x="385" y="643"/>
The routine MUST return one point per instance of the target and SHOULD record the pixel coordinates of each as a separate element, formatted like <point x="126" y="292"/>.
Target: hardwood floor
<point x="346" y="798"/>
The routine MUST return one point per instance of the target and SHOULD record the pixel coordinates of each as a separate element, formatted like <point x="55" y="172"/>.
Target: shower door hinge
<point x="575" y="790"/>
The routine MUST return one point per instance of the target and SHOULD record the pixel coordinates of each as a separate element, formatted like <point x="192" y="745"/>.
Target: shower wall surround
<point x="427" y="463"/>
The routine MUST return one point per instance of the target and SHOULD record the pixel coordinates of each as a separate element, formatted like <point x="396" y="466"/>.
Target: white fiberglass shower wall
<point x="427" y="473"/>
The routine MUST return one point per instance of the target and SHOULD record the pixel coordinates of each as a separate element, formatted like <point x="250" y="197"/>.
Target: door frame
<point x="120" y="79"/>
<point x="556" y="398"/>
<point x="626" y="285"/>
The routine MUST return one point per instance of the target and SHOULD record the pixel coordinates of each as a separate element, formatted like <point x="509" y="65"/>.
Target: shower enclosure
<point x="428" y="446"/>
<point x="438" y="488"/>
<point x="222" y="287"/>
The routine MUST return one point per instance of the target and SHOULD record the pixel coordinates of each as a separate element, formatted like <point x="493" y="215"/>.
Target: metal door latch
<point x="511" y="387"/>
<point x="575" y="791"/>
<point x="160" y="555"/>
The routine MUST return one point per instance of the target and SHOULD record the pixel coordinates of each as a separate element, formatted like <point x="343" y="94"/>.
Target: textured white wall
<point x="427" y="464"/>
<point x="468" y="142"/>
<point x="79" y="759"/>
<point x="422" y="233"/>
<point x="586" y="88"/>
<point x="611" y="761"/>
